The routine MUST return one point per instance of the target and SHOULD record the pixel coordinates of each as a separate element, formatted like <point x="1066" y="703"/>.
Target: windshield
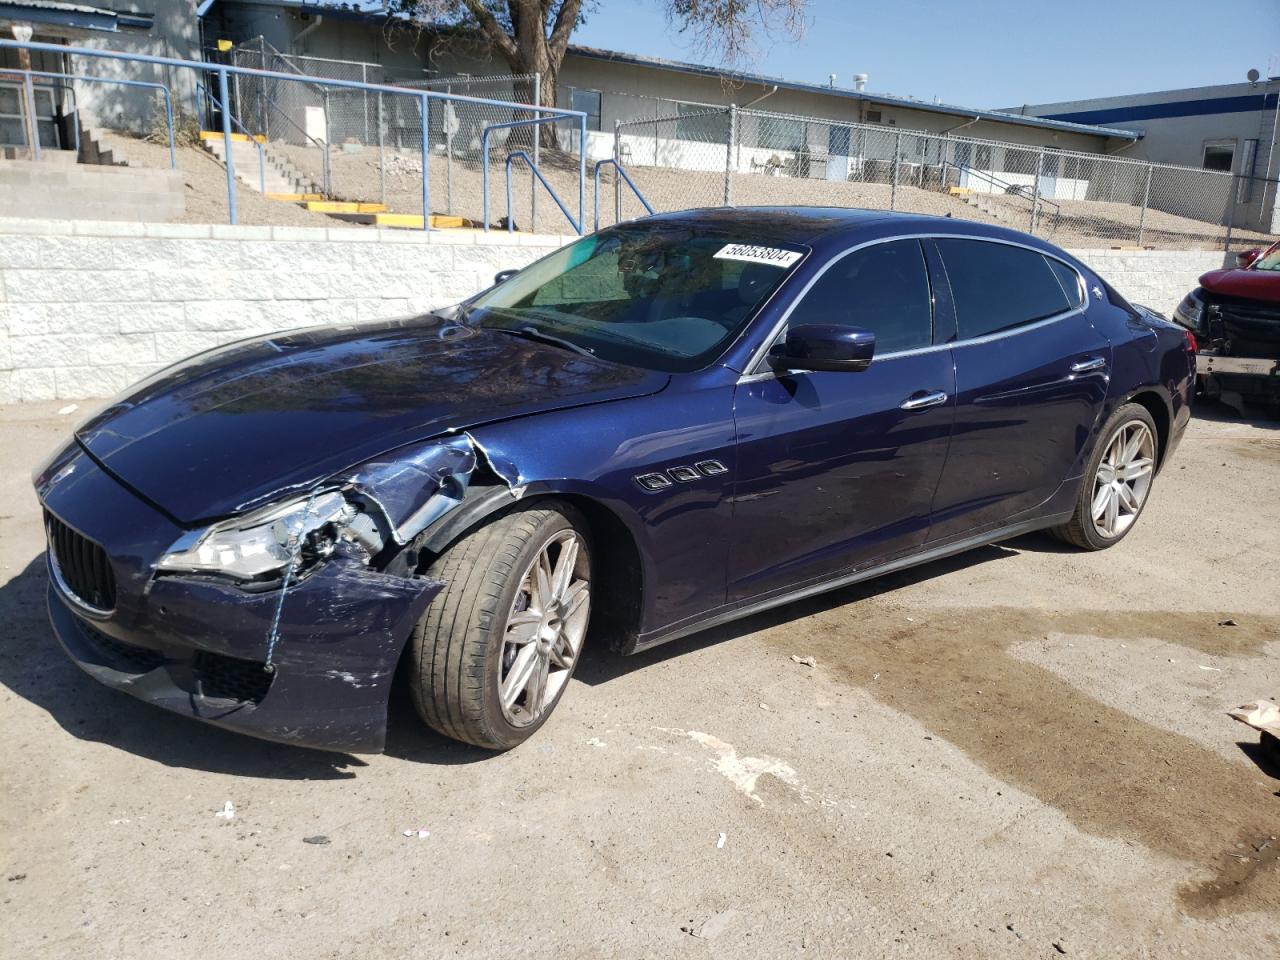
<point x="663" y="296"/>
<point x="1269" y="260"/>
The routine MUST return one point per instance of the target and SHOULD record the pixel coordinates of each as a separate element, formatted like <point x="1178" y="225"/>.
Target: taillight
<point x="1191" y="341"/>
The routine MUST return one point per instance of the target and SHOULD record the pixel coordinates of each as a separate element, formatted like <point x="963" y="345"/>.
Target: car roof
<point x="810" y="225"/>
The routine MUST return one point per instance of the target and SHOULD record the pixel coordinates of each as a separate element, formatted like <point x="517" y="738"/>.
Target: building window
<point x="782" y="133"/>
<point x="1219" y="155"/>
<point x="874" y="116"/>
<point x="588" y="101"/>
<point x="701" y="123"/>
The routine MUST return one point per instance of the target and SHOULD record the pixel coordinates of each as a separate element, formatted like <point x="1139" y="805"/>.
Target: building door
<point x="838" y="142"/>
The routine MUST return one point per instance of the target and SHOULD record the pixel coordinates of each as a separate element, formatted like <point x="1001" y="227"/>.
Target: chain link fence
<point x="457" y="130"/>
<point x="688" y="155"/>
<point x="367" y="146"/>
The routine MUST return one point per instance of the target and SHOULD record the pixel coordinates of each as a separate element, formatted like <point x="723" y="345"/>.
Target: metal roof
<point x="311" y="7"/>
<point x="78" y="15"/>
<point x="995" y="116"/>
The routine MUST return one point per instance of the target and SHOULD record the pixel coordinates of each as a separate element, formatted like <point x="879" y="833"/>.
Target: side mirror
<point x="822" y="346"/>
<point x="502" y="276"/>
<point x="1246" y="258"/>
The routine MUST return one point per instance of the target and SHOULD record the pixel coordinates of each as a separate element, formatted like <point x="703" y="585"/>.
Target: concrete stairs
<point x="92" y="150"/>
<point x="281" y="179"/>
<point x="984" y="203"/>
<point x="286" y="184"/>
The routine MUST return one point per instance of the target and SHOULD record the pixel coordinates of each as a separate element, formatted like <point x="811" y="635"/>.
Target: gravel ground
<point x="457" y="188"/>
<point x="1020" y="752"/>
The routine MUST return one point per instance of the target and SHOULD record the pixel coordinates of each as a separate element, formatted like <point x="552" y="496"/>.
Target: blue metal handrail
<point x="226" y="112"/>
<point x="610" y="162"/>
<point x="168" y="101"/>
<point x="521" y="155"/>
<point x="532" y="121"/>
<point x="223" y="71"/>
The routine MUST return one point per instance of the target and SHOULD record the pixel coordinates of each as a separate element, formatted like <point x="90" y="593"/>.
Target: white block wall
<point x="87" y="308"/>
<point x="1155" y="278"/>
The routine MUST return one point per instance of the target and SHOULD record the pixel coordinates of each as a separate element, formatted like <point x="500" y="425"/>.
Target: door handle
<point x="922" y="401"/>
<point x="1088" y="364"/>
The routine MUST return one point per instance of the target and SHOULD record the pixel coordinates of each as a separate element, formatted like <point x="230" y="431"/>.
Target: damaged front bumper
<point x="202" y="645"/>
<point x="342" y="631"/>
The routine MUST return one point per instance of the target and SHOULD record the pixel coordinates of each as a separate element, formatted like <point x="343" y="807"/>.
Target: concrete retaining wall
<point x="87" y="308"/>
<point x="58" y="190"/>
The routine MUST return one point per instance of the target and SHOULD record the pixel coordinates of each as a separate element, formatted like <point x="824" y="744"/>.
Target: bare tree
<point x="533" y="35"/>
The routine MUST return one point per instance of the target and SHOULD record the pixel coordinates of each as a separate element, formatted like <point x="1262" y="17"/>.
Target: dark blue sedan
<point x="664" y="426"/>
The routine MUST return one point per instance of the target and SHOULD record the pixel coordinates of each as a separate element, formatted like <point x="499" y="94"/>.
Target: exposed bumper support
<point x="1207" y="363"/>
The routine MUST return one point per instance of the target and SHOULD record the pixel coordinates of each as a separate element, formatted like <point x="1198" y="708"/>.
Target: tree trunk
<point x="524" y="93"/>
<point x="535" y="56"/>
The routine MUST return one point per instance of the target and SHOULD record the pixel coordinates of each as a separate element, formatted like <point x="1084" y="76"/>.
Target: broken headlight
<point x="261" y="544"/>
<point x="1190" y="311"/>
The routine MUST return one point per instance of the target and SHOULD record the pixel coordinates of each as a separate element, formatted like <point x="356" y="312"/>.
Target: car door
<point x="836" y="469"/>
<point x="1031" y="378"/>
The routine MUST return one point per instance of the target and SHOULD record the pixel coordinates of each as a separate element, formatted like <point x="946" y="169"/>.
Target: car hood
<point x="1248" y="284"/>
<point x="230" y="428"/>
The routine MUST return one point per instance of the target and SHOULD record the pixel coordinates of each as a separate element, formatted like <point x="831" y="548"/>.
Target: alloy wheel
<point x="1123" y="479"/>
<point x="545" y="629"/>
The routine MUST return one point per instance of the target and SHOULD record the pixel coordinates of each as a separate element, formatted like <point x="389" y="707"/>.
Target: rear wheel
<point x="1117" y="483"/>
<point x="494" y="652"/>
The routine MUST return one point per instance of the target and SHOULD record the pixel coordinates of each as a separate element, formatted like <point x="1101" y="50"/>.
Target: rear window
<point x="996" y="287"/>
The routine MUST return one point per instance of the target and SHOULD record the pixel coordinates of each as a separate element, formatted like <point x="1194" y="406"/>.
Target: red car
<point x="1235" y="315"/>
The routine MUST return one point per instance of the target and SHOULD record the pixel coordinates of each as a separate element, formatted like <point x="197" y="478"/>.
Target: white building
<point x="1231" y="127"/>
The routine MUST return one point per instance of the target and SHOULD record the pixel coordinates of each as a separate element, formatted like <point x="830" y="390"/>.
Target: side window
<point x="995" y="286"/>
<point x="883" y="288"/>
<point x="1068" y="278"/>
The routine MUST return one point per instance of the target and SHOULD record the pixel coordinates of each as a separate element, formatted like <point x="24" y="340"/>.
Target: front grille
<point x="1252" y="327"/>
<point x="83" y="565"/>
<point x="229" y="678"/>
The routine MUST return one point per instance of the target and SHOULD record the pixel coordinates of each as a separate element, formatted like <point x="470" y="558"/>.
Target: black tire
<point x="1080" y="530"/>
<point x="455" y="652"/>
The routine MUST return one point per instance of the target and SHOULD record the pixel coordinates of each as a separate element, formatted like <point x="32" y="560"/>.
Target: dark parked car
<point x="666" y="425"/>
<point x="1235" y="316"/>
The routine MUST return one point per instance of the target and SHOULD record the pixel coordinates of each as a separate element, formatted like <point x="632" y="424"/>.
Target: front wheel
<point x="494" y="652"/>
<point x="1117" y="482"/>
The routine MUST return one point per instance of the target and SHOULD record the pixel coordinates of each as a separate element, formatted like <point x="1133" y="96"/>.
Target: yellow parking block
<point x="294" y="197"/>
<point x="235" y="137"/>
<point x="344" y="206"/>
<point x="413" y="221"/>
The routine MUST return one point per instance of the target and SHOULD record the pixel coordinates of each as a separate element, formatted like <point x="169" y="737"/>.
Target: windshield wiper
<point x="533" y="333"/>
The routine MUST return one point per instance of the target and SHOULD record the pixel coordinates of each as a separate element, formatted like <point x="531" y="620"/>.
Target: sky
<point x="990" y="53"/>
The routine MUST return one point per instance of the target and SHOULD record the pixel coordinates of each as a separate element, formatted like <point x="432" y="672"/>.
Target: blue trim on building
<point x="1175" y="108"/>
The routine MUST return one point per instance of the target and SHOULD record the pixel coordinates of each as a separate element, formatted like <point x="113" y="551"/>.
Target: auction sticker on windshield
<point x="774" y="256"/>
